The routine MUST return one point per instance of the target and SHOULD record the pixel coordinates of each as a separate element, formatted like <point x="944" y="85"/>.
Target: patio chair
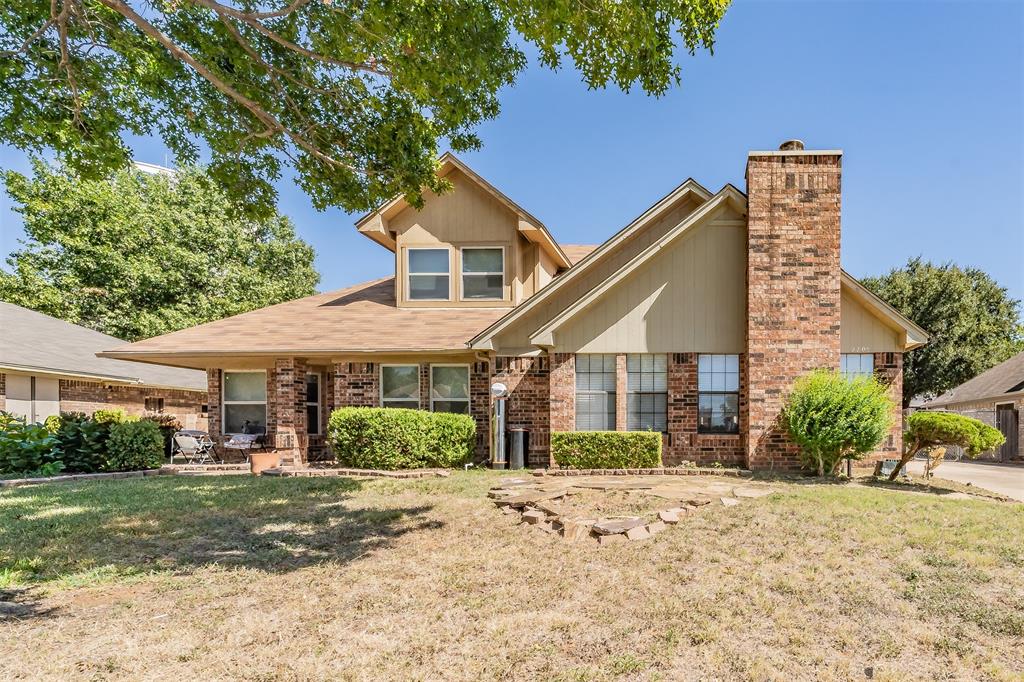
<point x="252" y="438"/>
<point x="195" y="447"/>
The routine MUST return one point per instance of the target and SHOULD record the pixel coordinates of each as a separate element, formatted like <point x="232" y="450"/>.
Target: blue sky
<point x="924" y="98"/>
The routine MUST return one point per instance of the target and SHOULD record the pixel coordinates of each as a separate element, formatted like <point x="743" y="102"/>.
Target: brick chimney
<point x="793" y="278"/>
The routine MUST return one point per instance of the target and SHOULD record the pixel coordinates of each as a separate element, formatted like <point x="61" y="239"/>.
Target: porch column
<point x="562" y="394"/>
<point x="289" y="414"/>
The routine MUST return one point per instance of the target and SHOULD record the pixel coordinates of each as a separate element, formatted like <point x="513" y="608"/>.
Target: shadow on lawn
<point x="130" y="527"/>
<point x="21" y="604"/>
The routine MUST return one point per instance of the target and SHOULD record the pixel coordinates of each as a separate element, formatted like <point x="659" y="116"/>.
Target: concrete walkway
<point x="1000" y="478"/>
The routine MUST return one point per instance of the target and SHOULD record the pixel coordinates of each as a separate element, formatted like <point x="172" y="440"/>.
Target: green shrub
<point x="832" y="418"/>
<point x="925" y="429"/>
<point x="114" y="416"/>
<point x="168" y="424"/>
<point x="606" y="449"/>
<point x="134" y="445"/>
<point x="25" y="448"/>
<point x="386" y="438"/>
<point x="82" y="442"/>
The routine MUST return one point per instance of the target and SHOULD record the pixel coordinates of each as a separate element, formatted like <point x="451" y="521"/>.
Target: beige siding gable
<point x="689" y="297"/>
<point x="862" y="331"/>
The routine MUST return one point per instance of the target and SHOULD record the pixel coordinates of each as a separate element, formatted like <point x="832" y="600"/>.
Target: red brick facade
<point x="528" y="403"/>
<point x="683" y="442"/>
<point x="889" y="371"/>
<point x="793" y="285"/>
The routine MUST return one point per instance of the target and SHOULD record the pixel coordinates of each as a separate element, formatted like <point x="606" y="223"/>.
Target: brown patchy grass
<point x="259" y="579"/>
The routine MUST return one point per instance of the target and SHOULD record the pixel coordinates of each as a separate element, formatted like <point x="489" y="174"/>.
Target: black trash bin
<point x="518" y="441"/>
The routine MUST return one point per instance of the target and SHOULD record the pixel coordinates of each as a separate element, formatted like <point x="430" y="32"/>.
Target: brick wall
<point x="89" y="396"/>
<point x="793" y="279"/>
<point x="889" y="371"/>
<point x="562" y="391"/>
<point x="480" y="406"/>
<point x="528" y="403"/>
<point x="356" y="384"/>
<point x="682" y="441"/>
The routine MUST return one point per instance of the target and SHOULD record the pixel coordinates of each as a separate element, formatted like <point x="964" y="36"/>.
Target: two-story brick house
<point x="693" y="320"/>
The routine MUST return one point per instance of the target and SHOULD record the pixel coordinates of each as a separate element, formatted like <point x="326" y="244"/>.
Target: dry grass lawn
<point x="256" y="579"/>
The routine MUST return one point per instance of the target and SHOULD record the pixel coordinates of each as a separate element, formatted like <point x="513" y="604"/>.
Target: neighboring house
<point x="49" y="366"/>
<point x="693" y="320"/>
<point x="996" y="397"/>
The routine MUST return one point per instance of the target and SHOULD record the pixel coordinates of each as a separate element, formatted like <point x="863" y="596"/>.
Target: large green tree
<point x="138" y="255"/>
<point x="973" y="322"/>
<point x="353" y="95"/>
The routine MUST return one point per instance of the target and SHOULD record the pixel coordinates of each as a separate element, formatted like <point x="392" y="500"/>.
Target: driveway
<point x="1000" y="478"/>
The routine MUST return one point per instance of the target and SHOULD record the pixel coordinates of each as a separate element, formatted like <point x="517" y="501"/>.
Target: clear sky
<point x="925" y="98"/>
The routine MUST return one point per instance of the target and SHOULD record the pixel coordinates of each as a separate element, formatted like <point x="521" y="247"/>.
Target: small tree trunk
<point x="908" y="454"/>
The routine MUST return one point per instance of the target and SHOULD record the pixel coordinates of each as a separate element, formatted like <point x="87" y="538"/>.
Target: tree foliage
<point x="972" y="321"/>
<point x="925" y="429"/>
<point x="353" y="96"/>
<point x="832" y="418"/>
<point x="140" y="255"/>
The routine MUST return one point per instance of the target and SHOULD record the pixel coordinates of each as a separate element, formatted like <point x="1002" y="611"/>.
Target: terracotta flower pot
<point x="260" y="461"/>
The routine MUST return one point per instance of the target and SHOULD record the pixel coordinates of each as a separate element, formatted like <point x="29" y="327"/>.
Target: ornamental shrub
<point x="82" y="442"/>
<point x="925" y="429"/>
<point x="833" y="418"/>
<point x="25" y="447"/>
<point x="389" y="438"/>
<point x="606" y="449"/>
<point x="134" y="445"/>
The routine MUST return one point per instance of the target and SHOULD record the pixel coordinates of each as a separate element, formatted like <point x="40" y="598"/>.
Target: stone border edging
<point x="671" y="471"/>
<point x="356" y="473"/>
<point x="69" y="478"/>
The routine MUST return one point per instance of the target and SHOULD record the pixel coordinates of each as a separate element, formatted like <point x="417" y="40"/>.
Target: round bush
<point x="388" y="438"/>
<point x="606" y="449"/>
<point x="134" y="445"/>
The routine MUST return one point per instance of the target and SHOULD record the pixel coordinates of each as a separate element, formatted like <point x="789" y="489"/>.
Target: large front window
<point x="400" y="386"/>
<point x="595" y="392"/>
<point x="856" y="365"/>
<point x="647" y="392"/>
<point x="483" y="273"/>
<point x="449" y="388"/>
<point x="718" y="399"/>
<point x="429" y="275"/>
<point x="245" y="401"/>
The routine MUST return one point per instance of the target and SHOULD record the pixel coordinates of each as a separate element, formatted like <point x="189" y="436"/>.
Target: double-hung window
<point x="647" y="392"/>
<point x="154" y="405"/>
<point x="595" y="392"/>
<point x="313" y="404"/>
<point x="429" y="275"/>
<point x="449" y="388"/>
<point x="856" y="365"/>
<point x="400" y="386"/>
<point x="483" y="273"/>
<point x="718" y="397"/>
<point x="245" y="400"/>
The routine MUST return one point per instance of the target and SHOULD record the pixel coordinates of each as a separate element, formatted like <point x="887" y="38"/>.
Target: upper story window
<point x="483" y="273"/>
<point x="429" y="275"/>
<point x="718" y="393"/>
<point x="855" y="365"/>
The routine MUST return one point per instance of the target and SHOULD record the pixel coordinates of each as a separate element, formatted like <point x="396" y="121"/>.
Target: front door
<point x="1006" y="421"/>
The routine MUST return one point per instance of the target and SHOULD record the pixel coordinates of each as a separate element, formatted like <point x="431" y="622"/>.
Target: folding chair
<point x="194" y="450"/>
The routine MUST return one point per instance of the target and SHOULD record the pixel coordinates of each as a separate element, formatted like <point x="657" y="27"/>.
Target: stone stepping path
<point x="539" y="504"/>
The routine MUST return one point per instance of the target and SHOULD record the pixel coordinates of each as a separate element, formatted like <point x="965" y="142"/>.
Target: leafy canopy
<point x="972" y="321"/>
<point x="832" y="418"/>
<point x="140" y="255"/>
<point x="925" y="429"/>
<point x="352" y="96"/>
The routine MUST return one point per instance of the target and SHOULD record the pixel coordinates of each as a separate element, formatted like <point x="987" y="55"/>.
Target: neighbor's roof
<point x="577" y="252"/>
<point x="359" y="319"/>
<point x="1005" y="381"/>
<point x="35" y="343"/>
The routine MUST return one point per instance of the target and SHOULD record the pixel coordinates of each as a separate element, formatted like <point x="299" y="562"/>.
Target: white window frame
<point x="846" y="375"/>
<point x="469" y="384"/>
<point x="409" y="273"/>
<point x="380" y="389"/>
<point x="224" y="402"/>
<point x="462" y="271"/>
<point x="319" y="400"/>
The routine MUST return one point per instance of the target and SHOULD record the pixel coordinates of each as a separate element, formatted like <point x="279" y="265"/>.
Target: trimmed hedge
<point x="135" y="445"/>
<point x="390" y="438"/>
<point x="607" y="449"/>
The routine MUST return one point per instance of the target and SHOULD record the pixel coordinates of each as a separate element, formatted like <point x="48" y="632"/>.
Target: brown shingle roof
<point x="577" y="252"/>
<point x="358" y="319"/>
<point x="1005" y="379"/>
